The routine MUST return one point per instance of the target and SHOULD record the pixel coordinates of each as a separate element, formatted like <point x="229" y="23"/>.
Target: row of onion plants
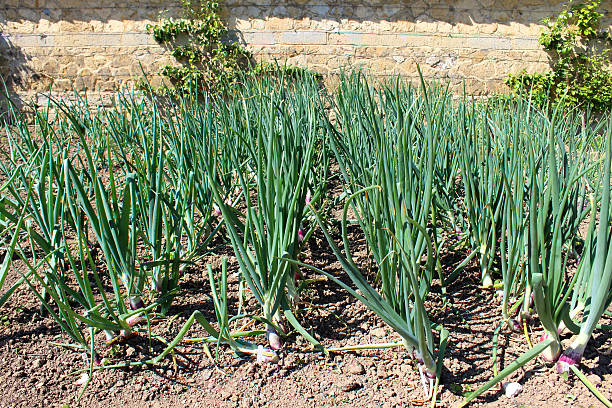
<point x="106" y="207"/>
<point x="126" y="186"/>
<point x="391" y="193"/>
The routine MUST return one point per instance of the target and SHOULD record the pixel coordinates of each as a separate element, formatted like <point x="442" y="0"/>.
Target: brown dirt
<point x="35" y="371"/>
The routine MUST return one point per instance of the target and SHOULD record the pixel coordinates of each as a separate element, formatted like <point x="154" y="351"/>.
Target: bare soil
<point x="36" y="373"/>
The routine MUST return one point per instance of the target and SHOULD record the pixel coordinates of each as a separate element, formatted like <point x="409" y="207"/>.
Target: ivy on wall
<point x="209" y="62"/>
<point x="580" y="73"/>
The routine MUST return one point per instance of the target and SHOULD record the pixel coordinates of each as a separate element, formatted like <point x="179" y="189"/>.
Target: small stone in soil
<point x="379" y="332"/>
<point x="512" y="389"/>
<point x="382" y="374"/>
<point x="349" y="385"/>
<point x="355" y="368"/>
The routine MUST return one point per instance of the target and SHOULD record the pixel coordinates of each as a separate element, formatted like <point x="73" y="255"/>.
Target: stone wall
<point x="100" y="46"/>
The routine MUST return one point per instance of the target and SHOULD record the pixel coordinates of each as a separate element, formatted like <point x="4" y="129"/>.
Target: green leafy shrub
<point x="209" y="61"/>
<point x="580" y="75"/>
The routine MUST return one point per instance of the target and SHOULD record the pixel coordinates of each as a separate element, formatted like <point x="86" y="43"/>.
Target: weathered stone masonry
<point x="100" y="46"/>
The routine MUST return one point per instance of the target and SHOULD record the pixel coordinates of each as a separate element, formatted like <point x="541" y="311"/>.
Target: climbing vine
<point x="209" y="62"/>
<point x="580" y="52"/>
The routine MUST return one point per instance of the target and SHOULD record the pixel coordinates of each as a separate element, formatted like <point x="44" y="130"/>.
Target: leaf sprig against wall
<point x="580" y="50"/>
<point x="198" y="40"/>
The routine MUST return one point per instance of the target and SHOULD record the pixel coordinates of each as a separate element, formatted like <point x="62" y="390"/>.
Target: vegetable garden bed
<point x="213" y="262"/>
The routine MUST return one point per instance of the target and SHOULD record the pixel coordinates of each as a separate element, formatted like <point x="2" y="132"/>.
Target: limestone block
<point x="298" y="60"/>
<point x="87" y="79"/>
<point x="258" y="38"/>
<point x="302" y="23"/>
<point x="481" y="71"/>
<point x="339" y="50"/>
<point x="123" y="72"/>
<point x="444" y="28"/>
<point x="108" y="86"/>
<point x="325" y="24"/>
<point x="424" y="24"/>
<point x="276" y="23"/>
<point x="345" y="38"/>
<point x="304" y="37"/>
<point x="135" y="39"/>
<point x="364" y="51"/>
<point x="466" y="26"/>
<point x="378" y="39"/>
<point x="121" y="60"/>
<point x="130" y="26"/>
<point x="241" y="24"/>
<point x="258" y="24"/>
<point x="62" y="85"/>
<point x="22" y="26"/>
<point x="525" y="43"/>
<point x="441" y="62"/>
<point x="350" y="25"/>
<point x="488" y="28"/>
<point x="21" y="40"/>
<point x="489" y="43"/>
<point x="403" y="26"/>
<point x="322" y="69"/>
<point x="114" y="26"/>
<point x="384" y="66"/>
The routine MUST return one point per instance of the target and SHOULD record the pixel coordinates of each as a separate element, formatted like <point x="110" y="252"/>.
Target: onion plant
<point x="280" y="130"/>
<point x="596" y="267"/>
<point x="508" y="122"/>
<point x="556" y="193"/>
<point x="156" y="206"/>
<point x="14" y="232"/>
<point x="166" y="152"/>
<point x="111" y="215"/>
<point x="47" y="249"/>
<point x="555" y="211"/>
<point x="446" y="173"/>
<point x="224" y="334"/>
<point x="137" y="204"/>
<point x="390" y="188"/>
<point x="191" y="142"/>
<point x="514" y="224"/>
<point x="482" y="184"/>
<point x="45" y="208"/>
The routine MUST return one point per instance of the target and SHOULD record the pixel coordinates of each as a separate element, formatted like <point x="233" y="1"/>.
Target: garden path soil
<point x="34" y="371"/>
